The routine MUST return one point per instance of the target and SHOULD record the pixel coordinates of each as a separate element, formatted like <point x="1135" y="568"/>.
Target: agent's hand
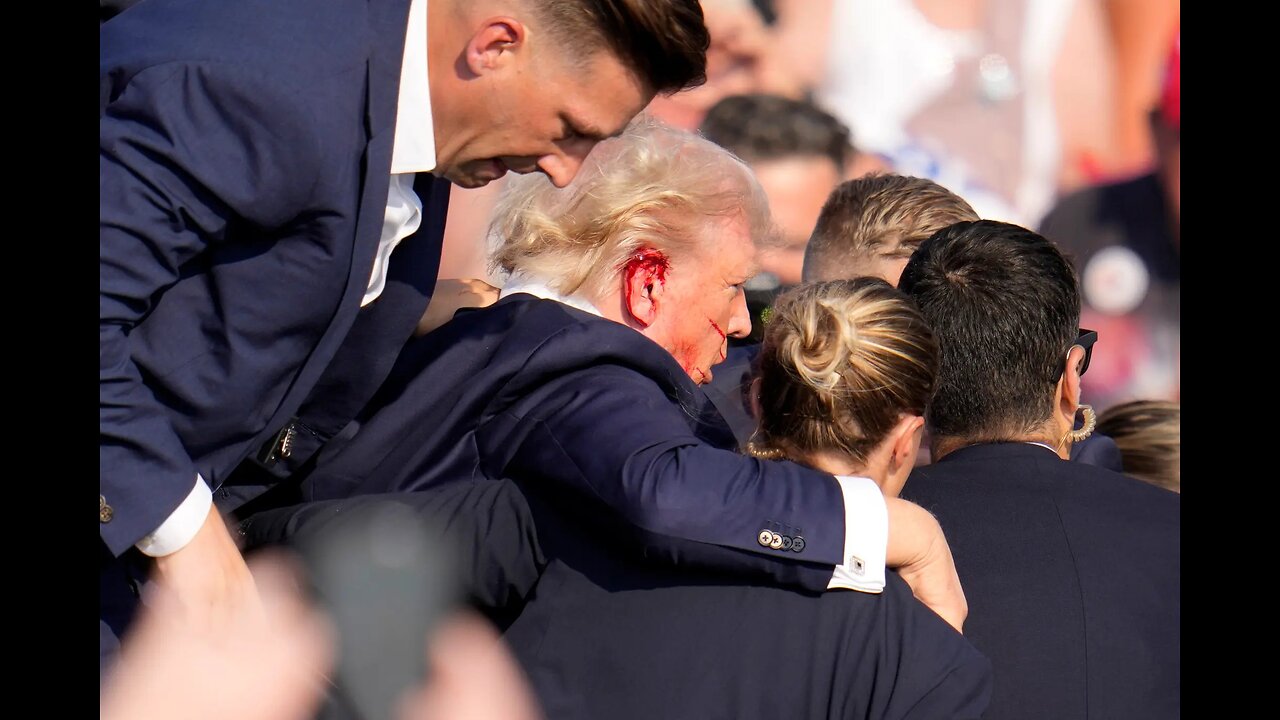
<point x="208" y="577"/>
<point x="266" y="665"/>
<point x="452" y="294"/>
<point x="919" y="551"/>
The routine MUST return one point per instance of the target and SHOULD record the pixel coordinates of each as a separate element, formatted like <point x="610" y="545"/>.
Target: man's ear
<point x="1067" y="399"/>
<point x="644" y="280"/>
<point x="491" y="46"/>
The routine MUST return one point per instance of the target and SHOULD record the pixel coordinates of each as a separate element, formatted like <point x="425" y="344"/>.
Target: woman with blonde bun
<point x="846" y="370"/>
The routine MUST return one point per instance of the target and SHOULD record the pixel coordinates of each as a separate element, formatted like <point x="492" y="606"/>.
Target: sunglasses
<point x="1085" y="339"/>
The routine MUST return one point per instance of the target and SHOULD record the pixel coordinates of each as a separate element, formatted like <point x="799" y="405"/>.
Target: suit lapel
<point x="385" y="37"/>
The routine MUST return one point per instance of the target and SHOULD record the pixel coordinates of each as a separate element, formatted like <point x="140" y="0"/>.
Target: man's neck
<point x="945" y="445"/>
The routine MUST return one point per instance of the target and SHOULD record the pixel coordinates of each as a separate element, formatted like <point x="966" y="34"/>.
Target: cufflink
<point x="859" y="567"/>
<point x="765" y="538"/>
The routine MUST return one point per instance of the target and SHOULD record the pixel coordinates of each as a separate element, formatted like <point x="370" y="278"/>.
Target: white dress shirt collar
<point x="1043" y="445"/>
<point x="414" y="150"/>
<point x="537" y="288"/>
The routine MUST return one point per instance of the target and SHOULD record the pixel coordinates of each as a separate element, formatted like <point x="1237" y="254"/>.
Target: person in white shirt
<point x="274" y="177"/>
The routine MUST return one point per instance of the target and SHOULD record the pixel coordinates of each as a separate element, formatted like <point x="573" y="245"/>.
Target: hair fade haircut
<point x="1005" y="305"/>
<point x="881" y="214"/>
<point x="664" y="41"/>
<point x="654" y="187"/>
<point x="759" y="128"/>
<point x="841" y="362"/>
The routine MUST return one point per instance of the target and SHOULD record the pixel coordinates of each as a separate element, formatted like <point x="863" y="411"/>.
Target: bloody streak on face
<point x="724" y="353"/>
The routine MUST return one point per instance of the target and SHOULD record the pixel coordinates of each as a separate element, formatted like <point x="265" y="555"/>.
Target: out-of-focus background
<point x="1058" y="115"/>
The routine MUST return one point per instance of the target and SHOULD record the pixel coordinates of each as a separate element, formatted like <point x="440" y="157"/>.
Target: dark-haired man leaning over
<point x="274" y="178"/>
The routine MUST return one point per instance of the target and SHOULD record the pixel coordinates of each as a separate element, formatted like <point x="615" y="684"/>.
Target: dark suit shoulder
<point x="745" y="650"/>
<point x="972" y="475"/>
<point x="1098" y="450"/>
<point x="288" y="37"/>
<point x="556" y="341"/>
<point x="1084" y="562"/>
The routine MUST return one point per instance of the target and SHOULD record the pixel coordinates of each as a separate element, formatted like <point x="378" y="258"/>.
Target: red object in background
<point x="1091" y="168"/>
<point x="1113" y="363"/>
<point x="1171" y="93"/>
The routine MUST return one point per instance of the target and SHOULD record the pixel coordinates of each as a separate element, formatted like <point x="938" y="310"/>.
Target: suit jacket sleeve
<point x="487" y="524"/>
<point x="613" y="436"/>
<point x="187" y="151"/>
<point x="929" y="670"/>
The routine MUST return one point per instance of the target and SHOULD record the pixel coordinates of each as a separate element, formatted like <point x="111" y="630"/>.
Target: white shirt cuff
<point x="174" y="533"/>
<point x="866" y="536"/>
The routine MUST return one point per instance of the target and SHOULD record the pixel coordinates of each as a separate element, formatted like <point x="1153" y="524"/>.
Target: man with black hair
<point x="1071" y="571"/>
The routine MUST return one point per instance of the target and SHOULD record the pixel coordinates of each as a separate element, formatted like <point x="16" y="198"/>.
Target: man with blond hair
<point x="871" y="225"/>
<point x="623" y="290"/>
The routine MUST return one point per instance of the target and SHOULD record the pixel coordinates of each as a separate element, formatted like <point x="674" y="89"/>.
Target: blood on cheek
<point x="650" y="267"/>
<point x="723" y="338"/>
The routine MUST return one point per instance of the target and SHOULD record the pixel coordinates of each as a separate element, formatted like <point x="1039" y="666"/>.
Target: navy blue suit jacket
<point x="604" y="635"/>
<point x="539" y="392"/>
<point x="1098" y="450"/>
<point x="1072" y="577"/>
<point x="601" y="634"/>
<point x="244" y="164"/>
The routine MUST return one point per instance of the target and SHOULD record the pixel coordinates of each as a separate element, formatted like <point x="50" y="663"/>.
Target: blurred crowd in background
<point x="1059" y="115"/>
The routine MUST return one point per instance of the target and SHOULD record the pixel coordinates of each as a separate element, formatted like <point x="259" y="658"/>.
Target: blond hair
<point x="654" y="186"/>
<point x="1149" y="435"/>
<point x="841" y="362"/>
<point x="878" y="215"/>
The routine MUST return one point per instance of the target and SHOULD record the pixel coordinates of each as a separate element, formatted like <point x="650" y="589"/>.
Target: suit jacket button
<point x="797" y="545"/>
<point x="105" y="513"/>
<point x="787" y="542"/>
<point x="776" y="543"/>
<point x="765" y="538"/>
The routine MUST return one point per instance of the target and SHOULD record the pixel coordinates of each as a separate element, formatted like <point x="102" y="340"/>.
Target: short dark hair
<point x="1004" y="303"/>
<point x="769" y="127"/>
<point x="664" y="41"/>
<point x="879" y="214"/>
